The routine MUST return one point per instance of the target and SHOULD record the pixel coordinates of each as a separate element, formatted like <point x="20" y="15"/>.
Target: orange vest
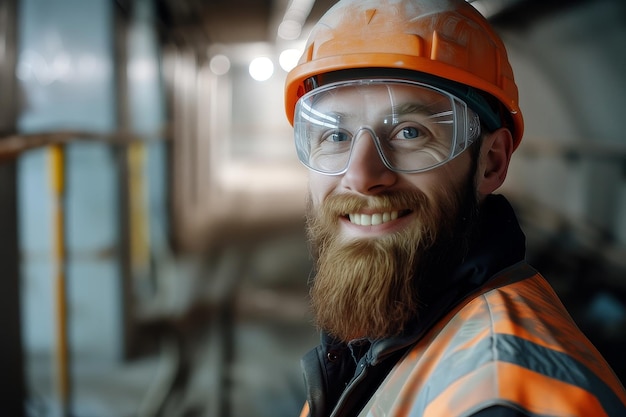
<point x="512" y="343"/>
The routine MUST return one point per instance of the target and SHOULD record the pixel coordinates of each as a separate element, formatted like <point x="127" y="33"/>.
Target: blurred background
<point x="152" y="246"/>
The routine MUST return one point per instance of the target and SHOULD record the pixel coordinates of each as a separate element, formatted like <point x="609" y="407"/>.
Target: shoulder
<point x="512" y="345"/>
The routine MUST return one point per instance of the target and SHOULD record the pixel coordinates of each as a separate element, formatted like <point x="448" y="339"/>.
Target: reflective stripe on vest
<point x="513" y="344"/>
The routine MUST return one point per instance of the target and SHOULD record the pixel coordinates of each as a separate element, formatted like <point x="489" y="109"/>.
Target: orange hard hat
<point x="443" y="39"/>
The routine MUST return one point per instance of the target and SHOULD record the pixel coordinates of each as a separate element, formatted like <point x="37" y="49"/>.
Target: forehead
<point x="359" y="99"/>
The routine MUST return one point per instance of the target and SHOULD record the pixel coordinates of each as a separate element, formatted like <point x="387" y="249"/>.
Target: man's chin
<point x="364" y="287"/>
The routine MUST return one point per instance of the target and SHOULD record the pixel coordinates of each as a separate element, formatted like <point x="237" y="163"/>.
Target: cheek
<point x="320" y="186"/>
<point x="446" y="179"/>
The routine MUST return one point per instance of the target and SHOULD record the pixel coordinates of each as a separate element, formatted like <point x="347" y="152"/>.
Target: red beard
<point x="370" y="288"/>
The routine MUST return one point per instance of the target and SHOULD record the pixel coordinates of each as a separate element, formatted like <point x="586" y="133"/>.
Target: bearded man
<point x="406" y="114"/>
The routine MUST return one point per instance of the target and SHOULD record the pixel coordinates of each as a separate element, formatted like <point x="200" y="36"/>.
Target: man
<point x="406" y="114"/>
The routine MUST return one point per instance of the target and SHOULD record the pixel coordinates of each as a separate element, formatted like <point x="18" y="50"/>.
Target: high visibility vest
<point x="511" y="344"/>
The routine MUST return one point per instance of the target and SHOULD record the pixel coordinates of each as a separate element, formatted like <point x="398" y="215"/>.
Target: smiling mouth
<point x="375" y="219"/>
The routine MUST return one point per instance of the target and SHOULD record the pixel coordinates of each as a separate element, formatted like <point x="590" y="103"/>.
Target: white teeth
<point x="372" y="219"/>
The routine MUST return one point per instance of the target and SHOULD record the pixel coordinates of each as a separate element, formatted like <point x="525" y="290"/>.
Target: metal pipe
<point x="13" y="145"/>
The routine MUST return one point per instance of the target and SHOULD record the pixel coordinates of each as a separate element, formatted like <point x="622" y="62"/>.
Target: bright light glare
<point x="288" y="59"/>
<point x="219" y="64"/>
<point x="261" y="68"/>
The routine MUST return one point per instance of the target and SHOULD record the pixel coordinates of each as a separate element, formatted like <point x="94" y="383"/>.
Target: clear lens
<point x="415" y="127"/>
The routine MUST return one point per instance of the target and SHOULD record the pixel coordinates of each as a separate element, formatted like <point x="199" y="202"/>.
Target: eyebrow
<point x="408" y="108"/>
<point x="421" y="107"/>
<point x="417" y="107"/>
<point x="332" y="118"/>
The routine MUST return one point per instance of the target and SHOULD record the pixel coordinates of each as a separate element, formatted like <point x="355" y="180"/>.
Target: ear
<point x="495" y="155"/>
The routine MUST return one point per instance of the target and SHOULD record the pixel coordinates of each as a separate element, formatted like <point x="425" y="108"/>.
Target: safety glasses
<point x="414" y="126"/>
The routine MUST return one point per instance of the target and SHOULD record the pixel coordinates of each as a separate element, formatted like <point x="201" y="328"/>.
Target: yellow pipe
<point x="139" y="224"/>
<point x="57" y="183"/>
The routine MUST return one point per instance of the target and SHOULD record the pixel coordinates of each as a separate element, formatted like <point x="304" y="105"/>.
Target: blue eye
<point x="408" y="132"/>
<point x="337" y="136"/>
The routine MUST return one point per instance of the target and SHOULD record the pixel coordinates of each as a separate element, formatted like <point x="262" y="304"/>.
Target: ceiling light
<point x="261" y="68"/>
<point x="289" y="59"/>
<point x="219" y="64"/>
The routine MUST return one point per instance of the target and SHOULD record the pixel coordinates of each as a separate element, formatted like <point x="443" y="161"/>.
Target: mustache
<point x="343" y="204"/>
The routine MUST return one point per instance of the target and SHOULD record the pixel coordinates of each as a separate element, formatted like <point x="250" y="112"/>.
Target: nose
<point x="367" y="173"/>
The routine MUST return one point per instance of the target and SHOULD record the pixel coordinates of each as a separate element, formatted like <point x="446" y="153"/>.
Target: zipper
<point x="339" y="407"/>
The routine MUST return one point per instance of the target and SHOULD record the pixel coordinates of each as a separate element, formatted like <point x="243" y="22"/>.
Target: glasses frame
<point x="459" y="145"/>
